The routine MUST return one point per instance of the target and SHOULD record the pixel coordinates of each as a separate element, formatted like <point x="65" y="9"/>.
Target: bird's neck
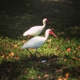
<point x="44" y="24"/>
<point x="46" y="36"/>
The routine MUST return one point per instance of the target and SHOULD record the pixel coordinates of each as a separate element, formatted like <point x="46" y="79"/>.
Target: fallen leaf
<point x="39" y="77"/>
<point x="7" y="57"/>
<point x="64" y="79"/>
<point x="24" y="41"/>
<point x="32" y="77"/>
<point x="74" y="52"/>
<point x="60" y="79"/>
<point x="65" y="60"/>
<point x="68" y="49"/>
<point x="60" y="70"/>
<point x="2" y="56"/>
<point x="16" y="57"/>
<point x="49" y="40"/>
<point x="15" y="45"/>
<point x="76" y="58"/>
<point x="11" y="54"/>
<point x="46" y="76"/>
<point x="78" y="47"/>
<point x="67" y="75"/>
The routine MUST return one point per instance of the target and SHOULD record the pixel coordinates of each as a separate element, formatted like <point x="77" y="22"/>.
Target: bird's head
<point x="46" y="20"/>
<point x="52" y="33"/>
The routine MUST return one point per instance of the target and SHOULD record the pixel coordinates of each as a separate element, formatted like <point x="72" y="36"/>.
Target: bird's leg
<point x="35" y="52"/>
<point x="29" y="52"/>
<point x="29" y="36"/>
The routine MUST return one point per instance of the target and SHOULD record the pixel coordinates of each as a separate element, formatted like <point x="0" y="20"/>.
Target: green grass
<point x="62" y="55"/>
<point x="59" y="60"/>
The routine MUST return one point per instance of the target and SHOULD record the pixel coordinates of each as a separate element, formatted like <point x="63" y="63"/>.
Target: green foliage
<point x="62" y="55"/>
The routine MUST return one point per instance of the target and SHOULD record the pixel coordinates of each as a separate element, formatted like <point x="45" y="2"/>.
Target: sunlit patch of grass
<point x="62" y="56"/>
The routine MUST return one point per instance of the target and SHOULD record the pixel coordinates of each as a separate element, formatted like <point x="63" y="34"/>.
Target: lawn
<point x="61" y="56"/>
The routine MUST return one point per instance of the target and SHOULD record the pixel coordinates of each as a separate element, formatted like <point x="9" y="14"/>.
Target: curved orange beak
<point x="48" y="21"/>
<point x="53" y="34"/>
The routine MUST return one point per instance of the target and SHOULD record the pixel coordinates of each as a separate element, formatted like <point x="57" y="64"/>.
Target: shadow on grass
<point x="27" y="68"/>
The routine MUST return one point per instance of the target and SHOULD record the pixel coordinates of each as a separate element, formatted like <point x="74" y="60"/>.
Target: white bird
<point x="36" y="30"/>
<point x="37" y="41"/>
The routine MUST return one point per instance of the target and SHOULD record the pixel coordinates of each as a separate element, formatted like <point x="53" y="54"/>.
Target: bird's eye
<point x="50" y="31"/>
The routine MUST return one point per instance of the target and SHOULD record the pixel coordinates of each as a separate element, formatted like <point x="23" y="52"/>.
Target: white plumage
<point x="36" y="30"/>
<point x="37" y="41"/>
<point x="34" y="42"/>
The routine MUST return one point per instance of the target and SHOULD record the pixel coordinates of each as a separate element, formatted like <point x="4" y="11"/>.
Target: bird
<point x="37" y="41"/>
<point x="36" y="30"/>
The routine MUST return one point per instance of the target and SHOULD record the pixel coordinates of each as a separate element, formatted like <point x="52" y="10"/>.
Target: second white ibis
<point x="37" y="41"/>
<point x="36" y="30"/>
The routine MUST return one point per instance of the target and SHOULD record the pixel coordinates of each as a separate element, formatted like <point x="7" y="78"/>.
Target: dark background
<point x="18" y="16"/>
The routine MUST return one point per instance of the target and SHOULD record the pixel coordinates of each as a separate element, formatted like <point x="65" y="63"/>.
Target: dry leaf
<point x="78" y="47"/>
<point x="68" y="49"/>
<point x="67" y="75"/>
<point x="60" y="70"/>
<point x="64" y="79"/>
<point x="65" y="60"/>
<point x="15" y="45"/>
<point x="74" y="52"/>
<point x="76" y="58"/>
<point x="24" y="41"/>
<point x="46" y="76"/>
<point x="11" y="54"/>
<point x="7" y="57"/>
<point x="16" y="57"/>
<point x="39" y="77"/>
<point x="49" y="40"/>
<point x="60" y="79"/>
<point x="2" y="56"/>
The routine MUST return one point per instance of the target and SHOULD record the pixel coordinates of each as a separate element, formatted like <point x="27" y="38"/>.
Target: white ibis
<point x="36" y="30"/>
<point x="37" y="41"/>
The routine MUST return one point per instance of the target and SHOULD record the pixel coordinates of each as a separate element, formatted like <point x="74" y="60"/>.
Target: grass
<point x="16" y="64"/>
<point x="62" y="55"/>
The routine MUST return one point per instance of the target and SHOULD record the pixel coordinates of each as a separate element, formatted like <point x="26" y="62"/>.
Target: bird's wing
<point x="34" y="42"/>
<point x="36" y="30"/>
